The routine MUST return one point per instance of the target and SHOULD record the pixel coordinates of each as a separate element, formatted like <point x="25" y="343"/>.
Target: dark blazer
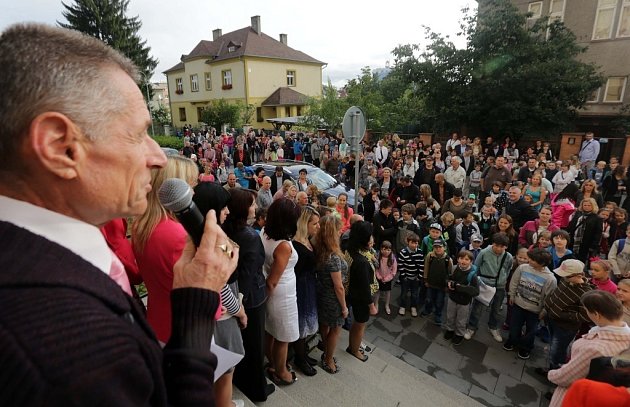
<point x="425" y="176"/>
<point x="274" y="182"/>
<point x="591" y="237"/>
<point x="490" y="151"/>
<point x="246" y="160"/>
<point x="361" y="276"/>
<point x="521" y="212"/>
<point x="384" y="229"/>
<point x="448" y="192"/>
<point x="471" y="165"/>
<point x="524" y="173"/>
<point x="251" y="281"/>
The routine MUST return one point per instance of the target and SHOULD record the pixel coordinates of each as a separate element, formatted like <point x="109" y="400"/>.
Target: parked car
<point x="328" y="185"/>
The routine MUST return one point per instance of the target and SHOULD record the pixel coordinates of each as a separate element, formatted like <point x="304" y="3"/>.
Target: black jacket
<point x="384" y="229"/>
<point x="274" y="182"/>
<point x="251" y="281"/>
<point x="448" y="192"/>
<point x="591" y="237"/>
<point x="521" y="212"/>
<point x="425" y="176"/>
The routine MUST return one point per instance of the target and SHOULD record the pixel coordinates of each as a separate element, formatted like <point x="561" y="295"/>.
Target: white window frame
<point x="207" y="76"/>
<point x="529" y="9"/>
<point x="231" y="48"/>
<point x="179" y="84"/>
<point x="194" y="83"/>
<point x="561" y="14"/>
<point x="625" y="8"/>
<point x="597" y="95"/>
<point x="226" y="77"/>
<point x="600" y="7"/>
<point x="291" y="76"/>
<point x="623" y="89"/>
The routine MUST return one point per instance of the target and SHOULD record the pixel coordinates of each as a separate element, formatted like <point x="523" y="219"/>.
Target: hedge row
<point x="170" y="141"/>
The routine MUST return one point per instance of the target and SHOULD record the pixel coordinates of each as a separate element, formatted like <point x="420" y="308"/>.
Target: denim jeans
<point x="495" y="308"/>
<point x="413" y="287"/>
<point x="522" y="317"/>
<point x="560" y="340"/>
<point x="434" y="301"/>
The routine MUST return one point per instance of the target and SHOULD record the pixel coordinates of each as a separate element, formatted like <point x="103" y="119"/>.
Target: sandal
<point x="329" y="369"/>
<point x="363" y="359"/>
<point x="279" y="381"/>
<point x="324" y="356"/>
<point x="388" y="311"/>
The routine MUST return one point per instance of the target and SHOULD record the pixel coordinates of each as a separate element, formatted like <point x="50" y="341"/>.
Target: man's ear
<point x="55" y="140"/>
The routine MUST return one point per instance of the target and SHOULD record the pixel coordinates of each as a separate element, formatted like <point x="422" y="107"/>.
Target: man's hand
<point x="208" y="266"/>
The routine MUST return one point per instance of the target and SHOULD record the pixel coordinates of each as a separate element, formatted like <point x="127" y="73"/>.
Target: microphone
<point x="176" y="196"/>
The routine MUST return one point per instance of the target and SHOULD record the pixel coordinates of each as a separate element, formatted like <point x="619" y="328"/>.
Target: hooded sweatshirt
<point x="530" y="287"/>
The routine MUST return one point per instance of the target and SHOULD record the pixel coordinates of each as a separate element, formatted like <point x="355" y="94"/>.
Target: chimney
<point x="283" y="39"/>
<point x="256" y="24"/>
<point x="216" y="34"/>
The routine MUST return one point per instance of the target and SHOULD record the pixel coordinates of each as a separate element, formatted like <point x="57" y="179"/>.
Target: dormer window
<point x="231" y="48"/>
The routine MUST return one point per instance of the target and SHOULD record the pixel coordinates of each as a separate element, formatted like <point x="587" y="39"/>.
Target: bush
<point x="170" y="141"/>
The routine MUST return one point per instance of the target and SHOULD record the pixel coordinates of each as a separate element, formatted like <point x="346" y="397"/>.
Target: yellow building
<point x="244" y="65"/>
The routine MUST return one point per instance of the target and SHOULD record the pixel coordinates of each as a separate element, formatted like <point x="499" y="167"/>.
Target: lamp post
<point x="146" y="82"/>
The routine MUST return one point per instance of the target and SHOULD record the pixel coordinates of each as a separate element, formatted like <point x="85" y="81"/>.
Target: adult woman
<point x="249" y="375"/>
<point x="362" y="279"/>
<point x="538" y="147"/>
<point x="324" y="156"/>
<point x="256" y="181"/>
<point x="615" y="184"/>
<point x="158" y="241"/>
<point x="227" y="334"/>
<point x="387" y="183"/>
<point x="438" y="162"/>
<point x="207" y="175"/>
<point x="344" y="210"/>
<point x="332" y="274"/>
<point x="589" y="190"/>
<point x="284" y="191"/>
<point x="397" y="170"/>
<point x="306" y="290"/>
<point x="530" y="231"/>
<point x="477" y="148"/>
<point x="618" y="225"/>
<point x="609" y="337"/>
<point x="563" y="177"/>
<point x="303" y="182"/>
<point x="511" y="152"/>
<point x="586" y="230"/>
<point x="563" y="206"/>
<point x="456" y="205"/>
<point x="536" y="191"/>
<point x="505" y="224"/>
<point x="281" y="322"/>
<point x="313" y="195"/>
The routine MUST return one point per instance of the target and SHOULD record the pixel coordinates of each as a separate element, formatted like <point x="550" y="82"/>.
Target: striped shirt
<point x="563" y="305"/>
<point x="411" y="264"/>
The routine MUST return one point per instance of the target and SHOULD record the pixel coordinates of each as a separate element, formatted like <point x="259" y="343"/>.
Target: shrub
<point x="170" y="141"/>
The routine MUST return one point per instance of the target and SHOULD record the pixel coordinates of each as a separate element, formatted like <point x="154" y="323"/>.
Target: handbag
<point x="486" y="292"/>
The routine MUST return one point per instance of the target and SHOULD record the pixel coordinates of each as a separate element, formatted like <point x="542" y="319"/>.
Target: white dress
<point x="281" y="320"/>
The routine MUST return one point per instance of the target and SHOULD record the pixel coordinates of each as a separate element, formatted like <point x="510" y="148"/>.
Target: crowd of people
<point x="461" y="228"/>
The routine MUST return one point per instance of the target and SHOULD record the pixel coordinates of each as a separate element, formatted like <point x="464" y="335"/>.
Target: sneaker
<point x="414" y="312"/>
<point x="496" y="335"/>
<point x="238" y="403"/>
<point x="457" y="339"/>
<point x="401" y="311"/>
<point x="448" y="335"/>
<point x="437" y="322"/>
<point x="522" y="354"/>
<point x="365" y="348"/>
<point x="508" y="347"/>
<point x="469" y="334"/>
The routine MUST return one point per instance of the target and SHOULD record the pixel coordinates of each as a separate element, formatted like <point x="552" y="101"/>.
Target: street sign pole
<point x="356" y="143"/>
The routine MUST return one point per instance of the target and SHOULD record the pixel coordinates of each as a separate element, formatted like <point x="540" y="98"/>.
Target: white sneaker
<point x="401" y="311"/>
<point x="414" y="312"/>
<point x="469" y="334"/>
<point x="496" y="335"/>
<point x="238" y="403"/>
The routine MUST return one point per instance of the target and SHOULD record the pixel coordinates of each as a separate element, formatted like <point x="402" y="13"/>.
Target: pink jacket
<point x="385" y="273"/>
<point x="530" y="230"/>
<point x="561" y="213"/>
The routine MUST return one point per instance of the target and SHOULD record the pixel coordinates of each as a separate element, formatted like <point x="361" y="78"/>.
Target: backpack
<point x="621" y="245"/>
<point x="471" y="274"/>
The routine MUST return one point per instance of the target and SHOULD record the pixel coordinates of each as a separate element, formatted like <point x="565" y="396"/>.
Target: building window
<point x="179" y="86"/>
<point x="208" y="80"/>
<point x="624" y="21"/>
<point x="536" y="9"/>
<point x="194" y="83"/>
<point x="259" y="115"/>
<point x="231" y="48"/>
<point x="594" y="96"/>
<point x="604" y="19"/>
<point x="290" y="78"/>
<point x="615" y="89"/>
<point x="299" y="110"/>
<point x="227" y="79"/>
<point x="287" y="111"/>
<point x="556" y="10"/>
<point x="199" y="113"/>
<point x="182" y="114"/>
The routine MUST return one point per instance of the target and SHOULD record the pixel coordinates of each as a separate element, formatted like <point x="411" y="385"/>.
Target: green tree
<point x="364" y="91"/>
<point x="161" y="116"/>
<point x="107" y="20"/>
<point x="327" y="111"/>
<point x="221" y="112"/>
<point x="510" y="78"/>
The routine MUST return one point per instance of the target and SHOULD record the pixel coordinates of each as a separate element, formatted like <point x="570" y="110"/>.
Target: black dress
<point x="306" y="290"/>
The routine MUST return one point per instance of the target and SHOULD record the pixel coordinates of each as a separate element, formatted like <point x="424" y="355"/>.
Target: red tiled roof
<point x="284" y="97"/>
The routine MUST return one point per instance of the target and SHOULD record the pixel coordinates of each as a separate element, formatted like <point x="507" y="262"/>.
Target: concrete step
<point x="383" y="381"/>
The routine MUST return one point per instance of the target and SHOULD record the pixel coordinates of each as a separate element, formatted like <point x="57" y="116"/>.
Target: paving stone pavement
<point x="479" y="368"/>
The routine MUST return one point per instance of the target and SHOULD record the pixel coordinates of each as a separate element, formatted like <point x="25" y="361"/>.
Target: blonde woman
<point x="589" y="190"/>
<point x="158" y="240"/>
<point x="536" y="191"/>
<point x="282" y="192"/>
<point x="586" y="230"/>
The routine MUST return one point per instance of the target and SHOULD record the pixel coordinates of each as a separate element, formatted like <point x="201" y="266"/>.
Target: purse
<point x="486" y="292"/>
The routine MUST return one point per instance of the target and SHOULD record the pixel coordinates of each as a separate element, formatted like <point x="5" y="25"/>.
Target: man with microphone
<point x="75" y="154"/>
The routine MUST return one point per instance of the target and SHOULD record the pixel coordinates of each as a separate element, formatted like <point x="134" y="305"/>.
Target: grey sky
<point x="346" y="35"/>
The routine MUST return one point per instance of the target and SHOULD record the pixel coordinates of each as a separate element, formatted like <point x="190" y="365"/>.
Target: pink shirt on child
<point x="607" y="285"/>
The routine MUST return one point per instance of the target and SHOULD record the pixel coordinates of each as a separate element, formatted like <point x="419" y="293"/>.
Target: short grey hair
<point x="50" y="69"/>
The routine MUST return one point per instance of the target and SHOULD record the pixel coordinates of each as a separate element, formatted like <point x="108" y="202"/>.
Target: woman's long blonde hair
<point x="301" y="235"/>
<point x="143" y="226"/>
<point x="327" y="240"/>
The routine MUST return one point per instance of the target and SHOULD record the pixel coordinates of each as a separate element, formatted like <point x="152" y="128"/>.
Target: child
<point x="261" y="218"/>
<point x="449" y="234"/>
<point x="472" y="202"/>
<point x="422" y="217"/>
<point x="619" y="257"/>
<point x="486" y="222"/>
<point x="385" y="273"/>
<point x="462" y="288"/>
<point x="435" y="232"/>
<point x="623" y="293"/>
<point x="600" y="276"/>
<point x="499" y="197"/>
<point x="521" y="258"/>
<point x="411" y="267"/>
<point x="405" y="226"/>
<point x="604" y="214"/>
<point x="331" y="205"/>
<point x="598" y="173"/>
<point x="544" y="241"/>
<point x="475" y="180"/>
<point x="437" y="268"/>
<point x="396" y="214"/>
<point x="465" y="230"/>
<point x="531" y="284"/>
<point x="559" y="252"/>
<point x="475" y="245"/>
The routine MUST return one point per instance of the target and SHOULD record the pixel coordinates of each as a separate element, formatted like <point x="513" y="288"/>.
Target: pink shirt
<point x="607" y="285"/>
